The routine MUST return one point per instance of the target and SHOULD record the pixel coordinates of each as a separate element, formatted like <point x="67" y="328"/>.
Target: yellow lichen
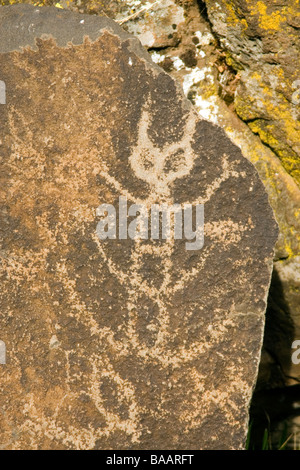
<point x="275" y="125"/>
<point x="268" y="21"/>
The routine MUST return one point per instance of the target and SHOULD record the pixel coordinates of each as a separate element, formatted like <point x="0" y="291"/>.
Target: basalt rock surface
<point x="120" y="343"/>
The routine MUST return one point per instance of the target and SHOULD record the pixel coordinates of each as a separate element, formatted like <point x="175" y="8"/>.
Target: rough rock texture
<point x="262" y="43"/>
<point x="124" y="344"/>
<point x="209" y="80"/>
<point x="262" y="40"/>
<point x="219" y="73"/>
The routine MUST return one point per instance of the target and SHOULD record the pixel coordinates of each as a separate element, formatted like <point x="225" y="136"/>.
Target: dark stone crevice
<point x="274" y="400"/>
<point x="203" y="10"/>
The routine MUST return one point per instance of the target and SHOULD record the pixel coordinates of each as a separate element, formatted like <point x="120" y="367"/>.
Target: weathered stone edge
<point x="22" y="24"/>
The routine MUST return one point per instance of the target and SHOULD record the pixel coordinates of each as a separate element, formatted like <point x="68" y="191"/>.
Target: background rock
<point x="261" y="40"/>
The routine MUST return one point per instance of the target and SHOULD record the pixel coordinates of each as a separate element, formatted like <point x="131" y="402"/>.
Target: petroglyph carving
<point x="161" y="167"/>
<point x="120" y="343"/>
